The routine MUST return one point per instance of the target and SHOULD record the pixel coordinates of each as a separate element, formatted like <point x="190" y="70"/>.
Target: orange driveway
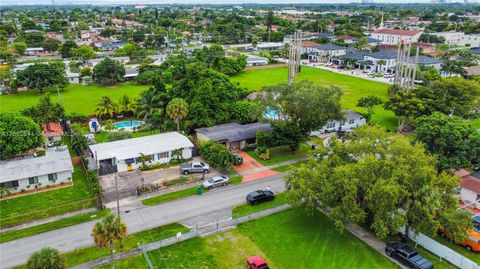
<point x="250" y="163"/>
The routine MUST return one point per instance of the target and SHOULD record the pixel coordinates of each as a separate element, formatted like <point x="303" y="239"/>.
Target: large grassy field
<point x="287" y="240"/>
<point x="353" y="88"/>
<point x="75" y="98"/>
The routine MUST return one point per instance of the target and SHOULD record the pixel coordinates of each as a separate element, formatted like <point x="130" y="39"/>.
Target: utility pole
<point x="116" y="194"/>
<point x="294" y="56"/>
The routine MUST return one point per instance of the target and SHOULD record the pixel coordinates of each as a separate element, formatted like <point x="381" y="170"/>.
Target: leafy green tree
<point x="106" y="107"/>
<point x="68" y="48"/>
<point x="20" y="47"/>
<point x="86" y="72"/>
<point x="247" y="111"/>
<point x="109" y="72"/>
<point x="108" y="231"/>
<point x="156" y="120"/>
<point x="51" y="44"/>
<point x="308" y="105"/>
<point x="19" y="135"/>
<point x="150" y="102"/>
<point x="84" y="53"/>
<point x="78" y="139"/>
<point x="269" y="22"/>
<point x="286" y="133"/>
<point x="365" y="182"/>
<point x="177" y="109"/>
<point x="369" y="103"/>
<point x="455" y="143"/>
<point x="45" y="111"/>
<point x="46" y="257"/>
<point x="42" y="76"/>
<point x="33" y="39"/>
<point x="216" y="155"/>
<point x="126" y="105"/>
<point x="136" y="52"/>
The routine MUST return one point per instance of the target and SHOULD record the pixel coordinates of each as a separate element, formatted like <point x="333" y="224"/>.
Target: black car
<point x="407" y="255"/>
<point x="256" y="197"/>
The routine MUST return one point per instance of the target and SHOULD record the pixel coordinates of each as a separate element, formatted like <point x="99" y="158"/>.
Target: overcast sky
<point x="101" y="2"/>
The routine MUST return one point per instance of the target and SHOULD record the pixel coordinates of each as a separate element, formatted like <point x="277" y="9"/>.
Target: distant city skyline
<point x="120" y="2"/>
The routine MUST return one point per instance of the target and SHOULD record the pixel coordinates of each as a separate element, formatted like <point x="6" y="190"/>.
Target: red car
<point x="256" y="262"/>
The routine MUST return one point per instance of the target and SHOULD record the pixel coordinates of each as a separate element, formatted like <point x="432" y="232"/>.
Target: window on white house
<point x="342" y="123"/>
<point x="163" y="155"/>
<point x="52" y="177"/>
<point x="351" y="121"/>
<point x="32" y="180"/>
<point x="9" y="184"/>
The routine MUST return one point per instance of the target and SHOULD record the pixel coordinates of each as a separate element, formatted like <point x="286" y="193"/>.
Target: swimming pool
<point x="271" y="113"/>
<point x="127" y="125"/>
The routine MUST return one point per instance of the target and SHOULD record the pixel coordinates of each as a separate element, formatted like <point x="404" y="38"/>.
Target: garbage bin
<point x="199" y="190"/>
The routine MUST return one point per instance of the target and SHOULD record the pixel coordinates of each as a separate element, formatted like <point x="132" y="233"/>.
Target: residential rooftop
<point x="233" y="131"/>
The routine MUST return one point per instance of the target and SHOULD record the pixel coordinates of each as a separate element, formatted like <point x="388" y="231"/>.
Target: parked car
<point x="195" y="167"/>
<point x="472" y="242"/>
<point x="215" y="182"/>
<point x="407" y="256"/>
<point x="256" y="262"/>
<point x="238" y="159"/>
<point x="256" y="197"/>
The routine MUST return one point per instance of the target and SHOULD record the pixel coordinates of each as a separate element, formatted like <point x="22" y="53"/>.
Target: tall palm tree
<point x="108" y="231"/>
<point x="126" y="105"/>
<point x="106" y="107"/>
<point x="150" y="102"/>
<point x="46" y="258"/>
<point x="177" y="109"/>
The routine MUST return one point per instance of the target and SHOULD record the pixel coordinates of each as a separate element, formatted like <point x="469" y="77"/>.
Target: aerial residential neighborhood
<point x="324" y="134"/>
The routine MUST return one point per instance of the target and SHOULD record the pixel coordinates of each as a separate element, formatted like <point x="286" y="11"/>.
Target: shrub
<point x="120" y="135"/>
<point x="216" y="155"/>
<point x="263" y="153"/>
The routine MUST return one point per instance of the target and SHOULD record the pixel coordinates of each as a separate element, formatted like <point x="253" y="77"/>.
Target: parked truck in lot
<point x="194" y="167"/>
<point x="407" y="256"/>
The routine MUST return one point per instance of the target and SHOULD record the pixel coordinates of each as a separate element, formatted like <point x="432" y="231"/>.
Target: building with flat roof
<point x="30" y="173"/>
<point x="124" y="155"/>
<point x="233" y="135"/>
<point x="395" y="36"/>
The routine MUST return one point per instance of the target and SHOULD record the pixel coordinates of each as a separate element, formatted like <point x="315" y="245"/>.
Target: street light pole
<point x="116" y="195"/>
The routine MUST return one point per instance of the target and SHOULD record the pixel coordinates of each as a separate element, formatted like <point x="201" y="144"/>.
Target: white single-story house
<point x="33" y="51"/>
<point x="470" y="191"/>
<point x="254" y="61"/>
<point x="269" y="46"/>
<point x="124" y="155"/>
<point x="73" y="78"/>
<point x="233" y="135"/>
<point x="30" y="173"/>
<point x="352" y="120"/>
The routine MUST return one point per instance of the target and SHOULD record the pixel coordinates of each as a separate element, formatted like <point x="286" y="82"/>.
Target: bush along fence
<point x="442" y="251"/>
<point x="214" y="227"/>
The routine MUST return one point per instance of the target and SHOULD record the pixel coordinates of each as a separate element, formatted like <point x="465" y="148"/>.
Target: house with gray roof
<point x="30" y="173"/>
<point x="233" y="135"/>
<point x="324" y="52"/>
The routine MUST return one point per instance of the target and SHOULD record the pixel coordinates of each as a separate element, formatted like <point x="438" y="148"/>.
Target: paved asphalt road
<point x="70" y="238"/>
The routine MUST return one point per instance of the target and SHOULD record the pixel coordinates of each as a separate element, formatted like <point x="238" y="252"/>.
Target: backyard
<point x="290" y="239"/>
<point x="353" y="88"/>
<point x="75" y="98"/>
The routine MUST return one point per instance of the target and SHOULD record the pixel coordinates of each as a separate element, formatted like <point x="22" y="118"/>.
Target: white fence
<point x="442" y="251"/>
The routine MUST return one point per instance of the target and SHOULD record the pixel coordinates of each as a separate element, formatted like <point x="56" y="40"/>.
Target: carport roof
<point x="233" y="131"/>
<point x="131" y="148"/>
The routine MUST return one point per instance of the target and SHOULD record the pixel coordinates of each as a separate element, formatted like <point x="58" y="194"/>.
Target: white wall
<point x="122" y="166"/>
<point x="394" y="39"/>
<point x="23" y="183"/>
<point x="335" y="125"/>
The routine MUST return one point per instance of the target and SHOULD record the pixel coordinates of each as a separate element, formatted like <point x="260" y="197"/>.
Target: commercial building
<point x="395" y="36"/>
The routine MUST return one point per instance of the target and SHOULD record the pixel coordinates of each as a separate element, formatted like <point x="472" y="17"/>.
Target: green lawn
<point x="83" y="255"/>
<point x="286" y="240"/>
<point x="48" y="203"/>
<point x="42" y="228"/>
<point x="181" y="194"/>
<point x="475" y="123"/>
<point x="246" y="209"/>
<point x="353" y="88"/>
<point x="103" y="136"/>
<point x="288" y="167"/>
<point x="282" y="154"/>
<point x="75" y="98"/>
<point x="134" y="262"/>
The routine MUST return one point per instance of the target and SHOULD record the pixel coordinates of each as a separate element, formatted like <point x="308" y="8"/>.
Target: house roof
<point x="54" y="161"/>
<point x="233" y="131"/>
<point x="355" y="55"/>
<point x="54" y="129"/>
<point x="472" y="71"/>
<point x="471" y="183"/>
<point x="310" y="44"/>
<point x="331" y="47"/>
<point x="349" y="114"/>
<point x="387" y="31"/>
<point x="422" y="59"/>
<point x="131" y="148"/>
<point x="383" y="55"/>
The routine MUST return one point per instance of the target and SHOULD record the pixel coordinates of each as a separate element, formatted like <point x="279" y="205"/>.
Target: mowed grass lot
<point x="48" y="203"/>
<point x="76" y="98"/>
<point x="291" y="239"/>
<point x="353" y="88"/>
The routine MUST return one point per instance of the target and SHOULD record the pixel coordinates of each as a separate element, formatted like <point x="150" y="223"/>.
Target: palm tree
<point x="177" y="109"/>
<point x="150" y="102"/>
<point x="144" y="158"/>
<point x="126" y="105"/>
<point x="106" y="107"/>
<point x="108" y="231"/>
<point x="46" y="258"/>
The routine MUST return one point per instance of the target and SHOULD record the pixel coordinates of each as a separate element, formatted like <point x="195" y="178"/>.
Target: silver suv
<point x="215" y="182"/>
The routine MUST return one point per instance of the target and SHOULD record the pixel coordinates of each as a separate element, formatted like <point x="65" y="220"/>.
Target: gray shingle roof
<point x="383" y="55"/>
<point x="54" y="161"/>
<point x="233" y="131"/>
<point x="330" y="47"/>
<point x="422" y="59"/>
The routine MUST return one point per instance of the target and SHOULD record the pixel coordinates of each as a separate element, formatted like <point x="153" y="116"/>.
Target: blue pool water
<point x="271" y="113"/>
<point x="127" y="124"/>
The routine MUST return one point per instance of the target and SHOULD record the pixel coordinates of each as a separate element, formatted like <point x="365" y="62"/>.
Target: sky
<point x="103" y="2"/>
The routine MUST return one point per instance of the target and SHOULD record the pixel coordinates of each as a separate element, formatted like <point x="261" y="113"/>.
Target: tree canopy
<point x="108" y="71"/>
<point x="19" y="134"/>
<point x="42" y="76"/>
